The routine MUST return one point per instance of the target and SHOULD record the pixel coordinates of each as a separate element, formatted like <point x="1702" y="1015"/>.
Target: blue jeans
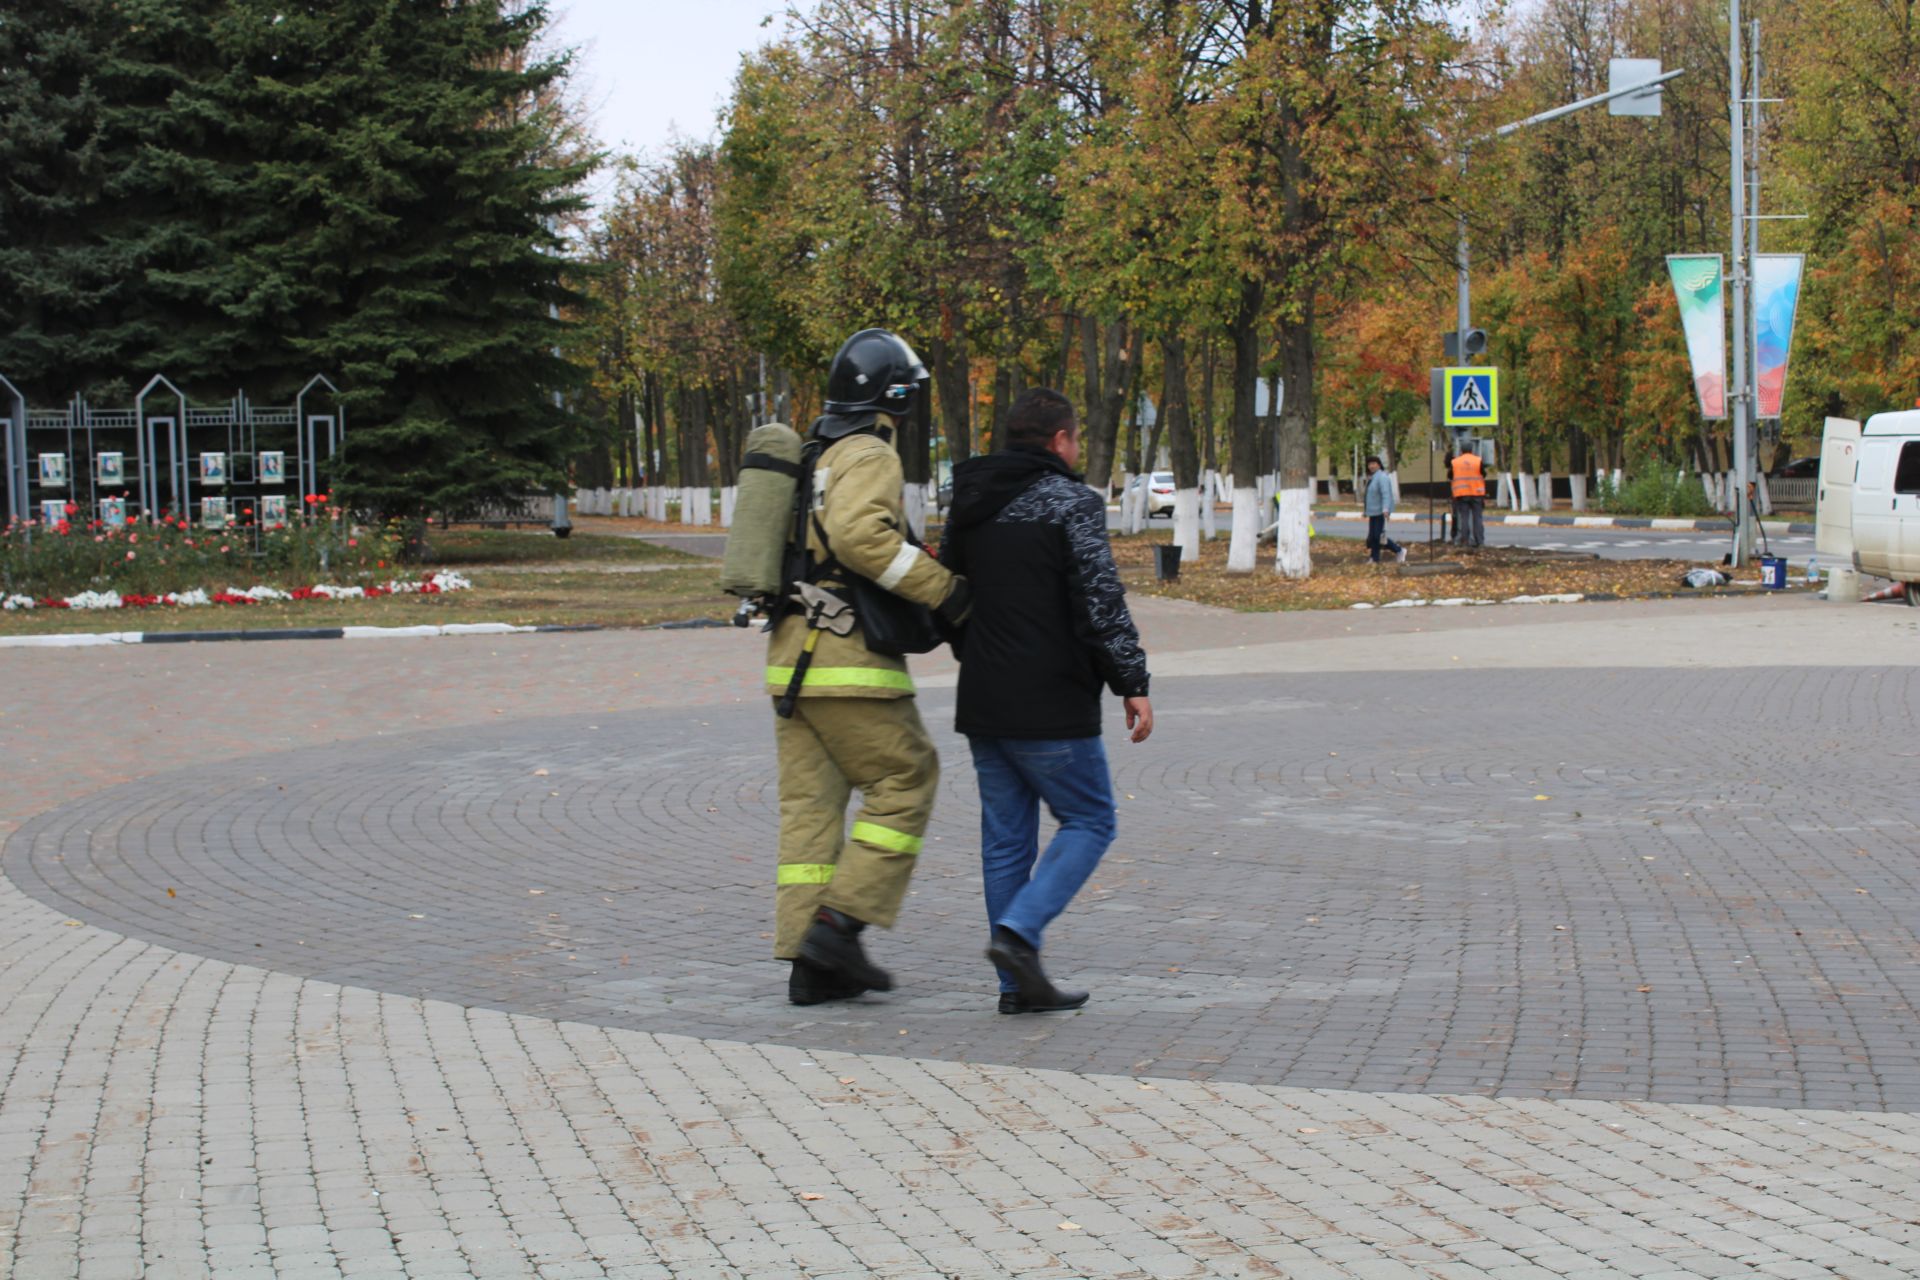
<point x="1026" y="890"/>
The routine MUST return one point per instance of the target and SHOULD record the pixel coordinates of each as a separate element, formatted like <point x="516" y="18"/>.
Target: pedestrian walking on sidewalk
<point x="1049" y="628"/>
<point x="1379" y="505"/>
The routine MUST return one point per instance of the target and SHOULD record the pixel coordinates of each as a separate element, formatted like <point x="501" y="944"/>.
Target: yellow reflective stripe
<point x="886" y="837"/>
<point x="804" y="873"/>
<point x="843" y="678"/>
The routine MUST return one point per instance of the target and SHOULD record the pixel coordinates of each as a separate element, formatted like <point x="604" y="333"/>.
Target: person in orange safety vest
<point x="1469" y="499"/>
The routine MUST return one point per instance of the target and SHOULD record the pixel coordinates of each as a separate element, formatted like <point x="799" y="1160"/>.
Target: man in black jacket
<point x="1049" y="628"/>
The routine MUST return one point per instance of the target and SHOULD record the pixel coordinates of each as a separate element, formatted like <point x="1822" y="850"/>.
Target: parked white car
<point x="1159" y="489"/>
<point x="1869" y="505"/>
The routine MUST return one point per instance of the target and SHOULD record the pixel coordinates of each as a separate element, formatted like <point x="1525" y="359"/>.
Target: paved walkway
<point x="447" y="958"/>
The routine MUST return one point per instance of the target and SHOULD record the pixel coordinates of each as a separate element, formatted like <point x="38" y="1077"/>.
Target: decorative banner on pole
<point x="1776" y="294"/>
<point x="1696" y="283"/>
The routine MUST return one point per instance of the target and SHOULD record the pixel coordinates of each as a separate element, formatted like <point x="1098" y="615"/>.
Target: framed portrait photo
<point x="52" y="511"/>
<point x="213" y="513"/>
<point x="270" y="467"/>
<point x="213" y="468"/>
<point x="53" y="470"/>
<point x="110" y="469"/>
<point x="273" y="510"/>
<point x="113" y="512"/>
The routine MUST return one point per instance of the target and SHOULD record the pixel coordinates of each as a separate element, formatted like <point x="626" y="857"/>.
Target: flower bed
<point x="161" y="554"/>
<point x="431" y="585"/>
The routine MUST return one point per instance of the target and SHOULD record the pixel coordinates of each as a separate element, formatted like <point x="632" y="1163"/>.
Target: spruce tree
<point x="399" y="232"/>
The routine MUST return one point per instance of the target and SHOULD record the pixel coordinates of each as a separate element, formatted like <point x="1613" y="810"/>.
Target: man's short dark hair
<point x="1375" y="460"/>
<point x="1035" y="418"/>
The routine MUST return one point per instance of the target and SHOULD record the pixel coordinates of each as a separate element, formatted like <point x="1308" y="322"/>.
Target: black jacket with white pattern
<point x="1050" y="624"/>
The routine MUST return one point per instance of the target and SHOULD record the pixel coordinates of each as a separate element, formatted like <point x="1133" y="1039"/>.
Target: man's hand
<point x="1139" y="718"/>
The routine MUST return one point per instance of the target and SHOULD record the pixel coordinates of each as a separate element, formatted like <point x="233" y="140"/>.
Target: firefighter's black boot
<point x="808" y="985"/>
<point x="833" y="944"/>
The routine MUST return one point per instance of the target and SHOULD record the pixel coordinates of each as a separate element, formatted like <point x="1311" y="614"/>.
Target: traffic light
<point x="1476" y="343"/>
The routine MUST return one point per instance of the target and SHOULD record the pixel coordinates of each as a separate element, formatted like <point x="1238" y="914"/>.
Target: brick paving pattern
<point x="1368" y="1005"/>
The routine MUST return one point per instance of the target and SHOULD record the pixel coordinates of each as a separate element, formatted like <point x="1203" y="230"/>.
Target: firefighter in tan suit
<point x="854" y="724"/>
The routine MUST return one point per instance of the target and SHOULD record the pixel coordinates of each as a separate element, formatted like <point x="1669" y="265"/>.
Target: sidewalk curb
<point x="1716" y="524"/>
<point x="94" y="639"/>
<point x="1734" y="592"/>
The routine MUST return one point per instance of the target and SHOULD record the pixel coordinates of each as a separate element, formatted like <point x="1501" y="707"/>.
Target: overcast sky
<point x="650" y="67"/>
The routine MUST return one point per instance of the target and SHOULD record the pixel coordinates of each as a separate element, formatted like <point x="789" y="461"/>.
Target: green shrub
<point x="1654" y="493"/>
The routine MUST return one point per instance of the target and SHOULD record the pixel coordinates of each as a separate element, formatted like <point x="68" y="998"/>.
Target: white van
<point x="1869" y="498"/>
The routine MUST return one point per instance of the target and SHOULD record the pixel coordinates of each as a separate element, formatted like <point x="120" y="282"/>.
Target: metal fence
<point x="1792" y="491"/>
<point x="216" y="465"/>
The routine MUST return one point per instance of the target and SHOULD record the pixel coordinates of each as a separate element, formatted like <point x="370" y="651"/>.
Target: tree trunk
<point x="952" y="378"/>
<point x="1110" y="356"/>
<point x="1293" y="553"/>
<point x="1244" y="435"/>
<point x="1177" y="413"/>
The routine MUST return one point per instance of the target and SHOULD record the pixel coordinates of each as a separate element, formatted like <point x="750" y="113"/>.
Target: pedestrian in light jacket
<point x="1378" y="500"/>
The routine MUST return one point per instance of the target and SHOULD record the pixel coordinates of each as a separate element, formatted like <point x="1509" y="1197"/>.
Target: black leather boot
<point x="808" y="985"/>
<point x="1037" y="993"/>
<point x="832" y="943"/>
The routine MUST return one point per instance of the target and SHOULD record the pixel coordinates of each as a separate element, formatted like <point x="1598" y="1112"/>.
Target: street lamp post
<point x="1642" y="98"/>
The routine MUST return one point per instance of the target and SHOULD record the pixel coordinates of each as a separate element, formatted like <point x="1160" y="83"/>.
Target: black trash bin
<point x="1166" y="563"/>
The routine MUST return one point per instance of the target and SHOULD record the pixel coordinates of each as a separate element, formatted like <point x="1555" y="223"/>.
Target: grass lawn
<point x="1343" y="577"/>
<point x="524" y="578"/>
<point x="535" y="579"/>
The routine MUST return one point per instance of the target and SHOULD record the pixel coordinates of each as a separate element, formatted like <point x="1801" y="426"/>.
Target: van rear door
<point x="1833" y="509"/>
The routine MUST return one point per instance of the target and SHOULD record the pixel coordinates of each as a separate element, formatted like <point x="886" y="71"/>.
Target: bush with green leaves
<point x="1654" y="493"/>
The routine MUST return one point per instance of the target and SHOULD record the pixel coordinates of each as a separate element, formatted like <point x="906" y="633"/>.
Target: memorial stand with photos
<point x="236" y="466"/>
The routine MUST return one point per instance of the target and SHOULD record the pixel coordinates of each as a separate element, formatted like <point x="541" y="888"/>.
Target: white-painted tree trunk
<point x="1578" y="485"/>
<point x="1619" y="478"/>
<point x="1246" y="530"/>
<point x="1543" y="490"/>
<point x="1393" y="483"/>
<point x="914" y="500"/>
<point x="1186" y="524"/>
<point x="728" y="496"/>
<point x="1522" y="491"/>
<point x="1209" y="518"/>
<point x="1293" y="543"/>
<point x="1710" y="484"/>
<point x="1731" y="492"/>
<point x="1504" y="495"/>
<point x="1764" y="496"/>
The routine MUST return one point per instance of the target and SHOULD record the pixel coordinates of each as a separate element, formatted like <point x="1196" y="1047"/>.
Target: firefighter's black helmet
<point x="874" y="372"/>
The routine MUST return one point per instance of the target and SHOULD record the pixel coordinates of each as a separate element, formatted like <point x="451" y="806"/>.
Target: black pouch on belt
<point x="892" y="625"/>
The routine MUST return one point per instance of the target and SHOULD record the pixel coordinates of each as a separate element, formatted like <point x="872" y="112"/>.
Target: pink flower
<point x="129" y="555"/>
<point x="224" y="550"/>
<point x="99" y="537"/>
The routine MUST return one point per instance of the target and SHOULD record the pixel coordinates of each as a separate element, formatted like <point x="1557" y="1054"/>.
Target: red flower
<point x="72" y="509"/>
<point x="353" y="542"/>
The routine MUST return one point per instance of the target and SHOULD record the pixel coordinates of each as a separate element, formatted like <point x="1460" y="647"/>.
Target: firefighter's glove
<point x="959" y="603"/>
<point x="824" y="610"/>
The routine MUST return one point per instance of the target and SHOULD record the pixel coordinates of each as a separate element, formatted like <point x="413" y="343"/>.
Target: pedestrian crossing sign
<point x="1473" y="398"/>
